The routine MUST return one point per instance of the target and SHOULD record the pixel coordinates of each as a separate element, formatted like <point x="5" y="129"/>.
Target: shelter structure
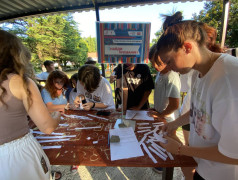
<point x="17" y="9"/>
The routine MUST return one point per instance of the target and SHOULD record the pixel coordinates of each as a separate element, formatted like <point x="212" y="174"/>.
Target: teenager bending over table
<point x="213" y="119"/>
<point x="54" y="92"/>
<point x="94" y="88"/>
<point x="21" y="156"/>
<point x="166" y="93"/>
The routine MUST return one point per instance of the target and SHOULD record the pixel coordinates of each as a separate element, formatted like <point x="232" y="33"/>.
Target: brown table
<point x="80" y="151"/>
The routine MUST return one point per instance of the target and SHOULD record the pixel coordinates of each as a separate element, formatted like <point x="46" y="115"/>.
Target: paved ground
<point x="112" y="173"/>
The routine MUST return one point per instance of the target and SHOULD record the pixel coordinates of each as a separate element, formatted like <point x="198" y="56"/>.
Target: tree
<point x="55" y="38"/>
<point x="212" y="14"/>
<point x="91" y="42"/>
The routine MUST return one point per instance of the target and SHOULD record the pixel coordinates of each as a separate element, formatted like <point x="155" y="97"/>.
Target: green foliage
<point x="54" y="37"/>
<point x="212" y="15"/>
<point x="157" y="34"/>
<point x="91" y="42"/>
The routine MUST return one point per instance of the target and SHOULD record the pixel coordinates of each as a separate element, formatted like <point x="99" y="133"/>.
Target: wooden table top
<point x="80" y="150"/>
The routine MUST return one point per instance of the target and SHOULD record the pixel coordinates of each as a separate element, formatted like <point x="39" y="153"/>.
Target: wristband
<point x="93" y="105"/>
<point x="179" y="149"/>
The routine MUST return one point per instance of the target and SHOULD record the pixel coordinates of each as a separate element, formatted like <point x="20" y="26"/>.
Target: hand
<point x="78" y="100"/>
<point x="172" y="145"/>
<point x="88" y="106"/>
<point x="153" y="114"/>
<point x="112" y="78"/>
<point x="170" y="128"/>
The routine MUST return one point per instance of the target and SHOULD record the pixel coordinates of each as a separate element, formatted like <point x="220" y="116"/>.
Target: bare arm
<point x="172" y="106"/>
<point x="210" y="153"/>
<point x="172" y="126"/>
<point x="38" y="111"/>
<point x="55" y="107"/>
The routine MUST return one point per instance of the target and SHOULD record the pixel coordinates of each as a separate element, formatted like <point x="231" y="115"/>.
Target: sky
<point x="147" y="13"/>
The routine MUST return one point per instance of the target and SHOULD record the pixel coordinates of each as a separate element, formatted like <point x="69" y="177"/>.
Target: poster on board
<point x="123" y="42"/>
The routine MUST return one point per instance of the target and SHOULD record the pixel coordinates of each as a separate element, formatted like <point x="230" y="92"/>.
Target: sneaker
<point x="74" y="168"/>
<point x="56" y="175"/>
<point x="158" y="170"/>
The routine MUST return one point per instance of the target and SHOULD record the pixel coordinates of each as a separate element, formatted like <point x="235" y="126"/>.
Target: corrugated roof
<point x="15" y="9"/>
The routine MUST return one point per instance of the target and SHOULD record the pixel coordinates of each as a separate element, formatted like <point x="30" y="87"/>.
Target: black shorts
<point x="186" y="127"/>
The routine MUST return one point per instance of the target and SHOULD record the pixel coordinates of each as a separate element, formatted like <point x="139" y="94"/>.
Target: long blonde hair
<point x="14" y="58"/>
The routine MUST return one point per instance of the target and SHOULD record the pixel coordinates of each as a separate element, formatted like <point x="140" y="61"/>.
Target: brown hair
<point x="90" y="76"/>
<point x="50" y="87"/>
<point x="14" y="58"/>
<point x="152" y="52"/>
<point x="211" y="38"/>
<point x="176" y="32"/>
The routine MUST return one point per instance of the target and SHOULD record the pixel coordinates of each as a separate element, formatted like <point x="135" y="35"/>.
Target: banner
<point x="123" y="42"/>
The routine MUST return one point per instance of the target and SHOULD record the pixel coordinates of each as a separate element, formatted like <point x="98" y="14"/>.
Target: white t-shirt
<point x="166" y="85"/>
<point x="186" y="102"/>
<point x="214" y="117"/>
<point x="43" y="75"/>
<point x="103" y="94"/>
<point x="186" y="81"/>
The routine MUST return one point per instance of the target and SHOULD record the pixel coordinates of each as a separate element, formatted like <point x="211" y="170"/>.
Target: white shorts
<point x="24" y="159"/>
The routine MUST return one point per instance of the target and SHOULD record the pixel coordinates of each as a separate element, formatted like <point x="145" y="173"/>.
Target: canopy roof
<point x="16" y="9"/>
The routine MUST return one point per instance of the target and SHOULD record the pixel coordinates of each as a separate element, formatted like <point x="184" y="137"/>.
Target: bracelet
<point x="93" y="105"/>
<point x="179" y="149"/>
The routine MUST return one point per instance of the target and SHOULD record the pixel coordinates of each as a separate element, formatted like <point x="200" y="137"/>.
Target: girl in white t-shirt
<point x="213" y="114"/>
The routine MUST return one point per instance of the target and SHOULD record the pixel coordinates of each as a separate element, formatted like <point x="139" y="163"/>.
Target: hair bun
<point x="171" y="20"/>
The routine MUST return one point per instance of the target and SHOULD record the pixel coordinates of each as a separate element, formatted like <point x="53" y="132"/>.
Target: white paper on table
<point x="53" y="133"/>
<point x="51" y="147"/>
<point x="53" y="140"/>
<point x="128" y="146"/>
<point x="77" y="117"/>
<point x="54" y="137"/>
<point x="146" y="130"/>
<point x="142" y="124"/>
<point x="149" y="154"/>
<point x="64" y="125"/>
<point x="138" y="115"/>
<point x="88" y="127"/>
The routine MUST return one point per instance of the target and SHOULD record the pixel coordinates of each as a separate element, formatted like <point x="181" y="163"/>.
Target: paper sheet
<point x="127" y="147"/>
<point x="53" y="133"/>
<point x="54" y="137"/>
<point x="128" y="123"/>
<point x="88" y="127"/>
<point x="51" y="147"/>
<point x="138" y="115"/>
<point x="53" y="140"/>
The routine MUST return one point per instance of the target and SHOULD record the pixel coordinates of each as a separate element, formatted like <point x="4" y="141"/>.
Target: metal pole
<point x="225" y="14"/>
<point x="122" y="94"/>
<point x="98" y="19"/>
